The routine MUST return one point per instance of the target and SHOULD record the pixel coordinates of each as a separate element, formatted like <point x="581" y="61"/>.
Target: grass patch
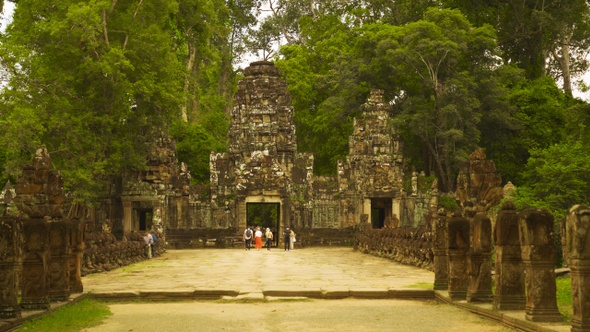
<point x="422" y="285"/>
<point x="75" y="317"/>
<point x="564" y="297"/>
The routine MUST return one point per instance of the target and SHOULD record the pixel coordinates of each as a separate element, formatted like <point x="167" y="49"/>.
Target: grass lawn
<point x="564" y="297"/>
<point x="84" y="314"/>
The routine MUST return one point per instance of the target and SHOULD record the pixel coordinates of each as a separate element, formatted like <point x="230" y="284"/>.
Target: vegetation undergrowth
<point x="564" y="297"/>
<point x="84" y="314"/>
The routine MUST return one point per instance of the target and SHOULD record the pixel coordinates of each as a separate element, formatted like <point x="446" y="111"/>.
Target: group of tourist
<point x="256" y="234"/>
<point x="150" y="239"/>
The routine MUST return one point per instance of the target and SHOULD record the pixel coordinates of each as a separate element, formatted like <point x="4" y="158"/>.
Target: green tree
<point x="194" y="146"/>
<point x="321" y="77"/>
<point x="91" y="80"/>
<point x="557" y="177"/>
<point x="541" y="37"/>
<point x="538" y="121"/>
<point x="443" y="57"/>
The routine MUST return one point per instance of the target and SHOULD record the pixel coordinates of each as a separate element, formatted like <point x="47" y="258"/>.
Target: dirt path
<point x="311" y="315"/>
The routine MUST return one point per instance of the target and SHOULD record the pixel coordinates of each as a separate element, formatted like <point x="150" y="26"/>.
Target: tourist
<point x="292" y="240"/>
<point x="247" y="237"/>
<point x="268" y="236"/>
<point x="148" y="243"/>
<point x="287" y="238"/>
<point x="258" y="238"/>
<point x="155" y="241"/>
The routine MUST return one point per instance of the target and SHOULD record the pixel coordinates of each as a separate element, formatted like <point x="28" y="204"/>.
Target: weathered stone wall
<point x="326" y="205"/>
<point x="204" y="238"/>
<point x="104" y="252"/>
<point x="325" y="237"/>
<point x="411" y="246"/>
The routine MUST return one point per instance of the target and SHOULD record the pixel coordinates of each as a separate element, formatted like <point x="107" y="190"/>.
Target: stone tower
<point x="262" y="117"/>
<point x="372" y="174"/>
<point x="260" y="165"/>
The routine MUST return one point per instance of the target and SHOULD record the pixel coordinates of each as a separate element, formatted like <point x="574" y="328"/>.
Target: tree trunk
<point x="564" y="64"/>
<point x="189" y="70"/>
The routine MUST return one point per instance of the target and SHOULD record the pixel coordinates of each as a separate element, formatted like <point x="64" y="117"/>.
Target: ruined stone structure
<point x="478" y="182"/>
<point x="45" y="234"/>
<point x="406" y="245"/>
<point x="262" y="166"/>
<point x="578" y="253"/>
<point x="36" y="242"/>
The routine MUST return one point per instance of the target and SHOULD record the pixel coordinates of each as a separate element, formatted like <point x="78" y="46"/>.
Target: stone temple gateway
<point x="263" y="166"/>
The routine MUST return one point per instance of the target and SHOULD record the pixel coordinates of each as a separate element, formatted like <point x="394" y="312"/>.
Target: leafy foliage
<point x="89" y="81"/>
<point x="194" y="146"/>
<point x="558" y="177"/>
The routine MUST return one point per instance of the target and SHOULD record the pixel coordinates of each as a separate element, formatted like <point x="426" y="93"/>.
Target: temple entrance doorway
<point x="380" y="210"/>
<point x="145" y="219"/>
<point x="264" y="215"/>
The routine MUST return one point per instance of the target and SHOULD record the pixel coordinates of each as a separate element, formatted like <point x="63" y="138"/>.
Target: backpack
<point x="248" y="233"/>
<point x="154" y="237"/>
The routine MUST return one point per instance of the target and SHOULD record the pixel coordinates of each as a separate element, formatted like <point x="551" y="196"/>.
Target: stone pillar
<point x="440" y="261"/>
<point x="75" y="260"/>
<point x="35" y="275"/>
<point x="578" y="253"/>
<point x="127" y="218"/>
<point x="538" y="255"/>
<point x="480" y="260"/>
<point x="457" y="248"/>
<point x="10" y="261"/>
<point x="367" y="208"/>
<point x="59" y="267"/>
<point x="510" y="290"/>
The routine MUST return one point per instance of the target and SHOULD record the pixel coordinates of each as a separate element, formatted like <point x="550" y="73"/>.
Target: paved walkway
<point x="334" y="271"/>
<point x="276" y="290"/>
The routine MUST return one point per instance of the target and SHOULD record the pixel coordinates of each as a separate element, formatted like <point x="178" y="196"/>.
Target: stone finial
<point x="479" y="182"/>
<point x="509" y="191"/>
<point x="261" y="68"/>
<point x="42" y="159"/>
<point x="478" y="154"/>
<point x="376" y="97"/>
<point x="7" y="203"/>
<point x="39" y="188"/>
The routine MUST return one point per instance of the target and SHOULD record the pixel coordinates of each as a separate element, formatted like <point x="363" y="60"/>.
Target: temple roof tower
<point x="262" y="117"/>
<point x="375" y="156"/>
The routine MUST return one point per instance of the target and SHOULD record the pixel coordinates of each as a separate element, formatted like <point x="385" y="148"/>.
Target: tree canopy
<point x="94" y="80"/>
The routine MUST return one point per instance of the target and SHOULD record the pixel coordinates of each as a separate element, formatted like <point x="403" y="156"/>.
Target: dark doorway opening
<point x="145" y="219"/>
<point x="264" y="215"/>
<point x="380" y="210"/>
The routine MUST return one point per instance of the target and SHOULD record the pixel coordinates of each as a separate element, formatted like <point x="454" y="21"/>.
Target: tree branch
<point x="132" y="20"/>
